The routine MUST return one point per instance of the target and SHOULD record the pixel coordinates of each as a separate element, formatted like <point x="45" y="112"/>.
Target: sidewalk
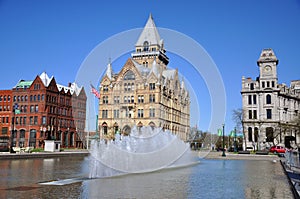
<point x="293" y="174"/>
<point x="235" y="156"/>
<point x="79" y="152"/>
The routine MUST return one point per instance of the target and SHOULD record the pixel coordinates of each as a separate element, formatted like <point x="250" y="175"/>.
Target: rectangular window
<point x="4" y="130"/>
<point x="116" y="113"/>
<point x="152" y="98"/>
<point x="269" y="113"/>
<point x="116" y="100"/>
<point x="44" y="120"/>
<point x="254" y="114"/>
<point x="140" y="113"/>
<point x="249" y="99"/>
<point x="105" y="88"/>
<point x="36" y="108"/>
<point x="31" y="120"/>
<point x="24" y="120"/>
<point x="105" y="100"/>
<point x="31" y="109"/>
<point x="250" y="114"/>
<point x="141" y="99"/>
<point x="104" y="113"/>
<point x="254" y="99"/>
<point x="152" y="112"/>
<point x="152" y="86"/>
<point x="35" y="119"/>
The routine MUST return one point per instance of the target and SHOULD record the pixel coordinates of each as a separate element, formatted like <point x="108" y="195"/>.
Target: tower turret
<point x="149" y="46"/>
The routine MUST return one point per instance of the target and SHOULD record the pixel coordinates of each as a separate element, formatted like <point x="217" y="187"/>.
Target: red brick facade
<point x="5" y="118"/>
<point x="43" y="110"/>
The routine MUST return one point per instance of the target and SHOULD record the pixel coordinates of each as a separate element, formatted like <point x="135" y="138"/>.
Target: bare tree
<point x="237" y="117"/>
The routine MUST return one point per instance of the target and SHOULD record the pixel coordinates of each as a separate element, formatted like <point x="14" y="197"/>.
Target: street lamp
<point x="235" y="142"/>
<point x="223" y="154"/>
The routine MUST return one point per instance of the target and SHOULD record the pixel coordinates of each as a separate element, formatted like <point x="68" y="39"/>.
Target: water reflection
<point x="209" y="179"/>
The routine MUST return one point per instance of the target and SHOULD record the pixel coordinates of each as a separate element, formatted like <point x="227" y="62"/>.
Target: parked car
<point x="277" y="149"/>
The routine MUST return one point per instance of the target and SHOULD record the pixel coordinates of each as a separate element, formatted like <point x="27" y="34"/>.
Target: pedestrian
<point x="288" y="156"/>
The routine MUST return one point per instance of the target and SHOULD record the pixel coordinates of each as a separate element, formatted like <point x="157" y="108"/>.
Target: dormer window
<point x="146" y="46"/>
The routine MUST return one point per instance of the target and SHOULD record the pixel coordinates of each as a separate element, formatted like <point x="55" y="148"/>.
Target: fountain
<point x="146" y="149"/>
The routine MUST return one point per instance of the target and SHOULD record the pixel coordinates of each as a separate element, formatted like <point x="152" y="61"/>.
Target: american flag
<point x="95" y="92"/>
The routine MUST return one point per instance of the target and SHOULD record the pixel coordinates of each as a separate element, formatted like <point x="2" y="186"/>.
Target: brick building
<point x="5" y="118"/>
<point x="44" y="110"/>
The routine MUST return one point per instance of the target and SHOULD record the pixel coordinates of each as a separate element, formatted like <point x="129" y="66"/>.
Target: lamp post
<point x="223" y="154"/>
<point x="235" y="142"/>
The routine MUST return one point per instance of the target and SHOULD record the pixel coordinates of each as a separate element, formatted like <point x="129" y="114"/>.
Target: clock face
<point x="268" y="69"/>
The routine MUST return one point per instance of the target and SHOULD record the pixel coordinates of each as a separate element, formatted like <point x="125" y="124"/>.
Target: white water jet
<point x="146" y="149"/>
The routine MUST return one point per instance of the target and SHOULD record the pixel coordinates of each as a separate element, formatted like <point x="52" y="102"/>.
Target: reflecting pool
<point x="209" y="179"/>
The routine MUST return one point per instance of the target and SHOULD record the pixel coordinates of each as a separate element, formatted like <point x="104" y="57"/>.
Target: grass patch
<point x="36" y="150"/>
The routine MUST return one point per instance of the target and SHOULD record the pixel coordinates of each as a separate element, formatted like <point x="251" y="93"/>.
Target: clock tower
<point x="267" y="64"/>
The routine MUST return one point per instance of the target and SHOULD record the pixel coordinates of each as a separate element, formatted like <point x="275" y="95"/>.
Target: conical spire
<point x="149" y="34"/>
<point x="109" y="71"/>
<point x="155" y="69"/>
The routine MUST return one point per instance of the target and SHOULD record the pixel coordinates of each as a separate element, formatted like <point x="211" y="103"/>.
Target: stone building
<point x="270" y="110"/>
<point x="41" y="109"/>
<point x="145" y="91"/>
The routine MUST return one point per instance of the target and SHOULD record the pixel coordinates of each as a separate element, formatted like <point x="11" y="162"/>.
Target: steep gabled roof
<point x="149" y="34"/>
<point x="169" y="73"/>
<point x="45" y="79"/>
<point x="72" y="88"/>
<point x="142" y="69"/>
<point x="155" y="69"/>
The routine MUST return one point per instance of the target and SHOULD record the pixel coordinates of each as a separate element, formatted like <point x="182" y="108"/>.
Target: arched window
<point x="146" y="46"/>
<point x="250" y="134"/>
<point x="104" y="125"/>
<point x="129" y="75"/>
<point x="268" y="99"/>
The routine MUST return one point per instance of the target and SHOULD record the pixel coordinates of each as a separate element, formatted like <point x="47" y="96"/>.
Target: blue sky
<point x="56" y="36"/>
